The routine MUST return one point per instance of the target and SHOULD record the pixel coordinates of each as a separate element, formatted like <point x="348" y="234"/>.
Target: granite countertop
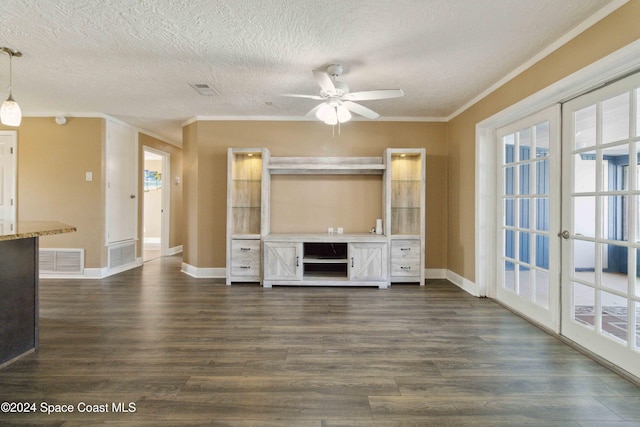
<point x="13" y="230"/>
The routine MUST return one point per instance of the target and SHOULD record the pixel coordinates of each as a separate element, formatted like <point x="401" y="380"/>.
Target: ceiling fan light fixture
<point x="343" y="114"/>
<point x="327" y="114"/>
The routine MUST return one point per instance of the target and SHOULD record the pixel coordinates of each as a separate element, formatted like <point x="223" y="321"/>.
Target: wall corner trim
<point x="464" y="284"/>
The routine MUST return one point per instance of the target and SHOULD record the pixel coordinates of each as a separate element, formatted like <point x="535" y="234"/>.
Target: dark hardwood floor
<point x="196" y="352"/>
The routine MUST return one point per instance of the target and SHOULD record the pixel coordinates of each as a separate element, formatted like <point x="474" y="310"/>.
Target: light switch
<point x="89" y="176"/>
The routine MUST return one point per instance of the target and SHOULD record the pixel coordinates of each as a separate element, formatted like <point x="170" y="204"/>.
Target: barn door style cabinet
<point x="319" y="259"/>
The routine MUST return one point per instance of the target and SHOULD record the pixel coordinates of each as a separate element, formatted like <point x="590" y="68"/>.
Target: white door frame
<point x="13" y="190"/>
<point x="165" y="219"/>
<point x="619" y="63"/>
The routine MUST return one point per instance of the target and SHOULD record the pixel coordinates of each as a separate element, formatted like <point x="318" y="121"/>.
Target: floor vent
<point x="61" y="261"/>
<point x="121" y="255"/>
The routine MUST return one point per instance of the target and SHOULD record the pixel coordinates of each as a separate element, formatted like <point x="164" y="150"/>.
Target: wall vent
<point x="61" y="261"/>
<point x="121" y="254"/>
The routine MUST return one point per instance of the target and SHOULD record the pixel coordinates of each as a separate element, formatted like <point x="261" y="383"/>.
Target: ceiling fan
<point x="338" y="101"/>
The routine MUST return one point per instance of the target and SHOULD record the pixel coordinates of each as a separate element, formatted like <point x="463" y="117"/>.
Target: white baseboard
<point x="175" y="250"/>
<point x="435" y="273"/>
<point x="464" y="284"/>
<point x="203" y="273"/>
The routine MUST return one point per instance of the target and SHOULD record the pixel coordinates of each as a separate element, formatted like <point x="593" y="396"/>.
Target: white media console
<point x="320" y="259"/>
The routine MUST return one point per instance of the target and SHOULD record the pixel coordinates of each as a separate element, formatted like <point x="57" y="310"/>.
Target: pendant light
<point x="10" y="113"/>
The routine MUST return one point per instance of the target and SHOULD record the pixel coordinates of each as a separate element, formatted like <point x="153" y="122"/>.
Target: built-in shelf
<point x="326" y="165"/>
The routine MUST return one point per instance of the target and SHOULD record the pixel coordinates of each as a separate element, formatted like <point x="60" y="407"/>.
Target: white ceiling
<point x="134" y="59"/>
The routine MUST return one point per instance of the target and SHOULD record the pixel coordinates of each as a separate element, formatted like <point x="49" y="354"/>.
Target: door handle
<point x="564" y="234"/>
<point x="133" y="196"/>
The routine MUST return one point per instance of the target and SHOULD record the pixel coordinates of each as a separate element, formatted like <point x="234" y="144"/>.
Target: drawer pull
<point x="405" y="249"/>
<point x="246" y="267"/>
<point x="245" y="249"/>
<point x="403" y="267"/>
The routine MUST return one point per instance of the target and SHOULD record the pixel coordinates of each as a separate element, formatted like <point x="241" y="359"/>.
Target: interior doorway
<point x="8" y="175"/>
<point x="155" y="210"/>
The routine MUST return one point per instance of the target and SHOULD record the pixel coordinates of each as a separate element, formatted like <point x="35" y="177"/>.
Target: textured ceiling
<point x="134" y="59"/>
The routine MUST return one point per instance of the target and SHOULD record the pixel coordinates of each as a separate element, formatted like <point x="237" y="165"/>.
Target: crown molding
<point x="573" y="33"/>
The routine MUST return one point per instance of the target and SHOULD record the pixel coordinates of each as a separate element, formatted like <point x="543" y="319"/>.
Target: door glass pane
<point x="637" y="218"/>
<point x="509" y="212"/>
<point x="524" y="179"/>
<point x="615" y="217"/>
<point x="637" y="112"/>
<point x="509" y="275"/>
<point x="509" y="243"/>
<point x="542" y="139"/>
<point x="584" y="260"/>
<point x="584" y="172"/>
<point x="614" y="315"/>
<point x="584" y="216"/>
<point x="542" y="177"/>
<point x="509" y="142"/>
<point x="638" y="325"/>
<point x="542" y="288"/>
<point x="583" y="304"/>
<point x="585" y="127"/>
<point x="614" y="267"/>
<point x="524" y="213"/>
<point x="524" y="247"/>
<point x="509" y="180"/>
<point x="615" y="118"/>
<point x="637" y="276"/>
<point x="542" y="213"/>
<point x="524" y="143"/>
<point x="524" y="289"/>
<point x="542" y="251"/>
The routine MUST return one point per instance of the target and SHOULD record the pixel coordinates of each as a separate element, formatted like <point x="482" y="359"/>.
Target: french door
<point x="600" y="222"/>
<point x="529" y="212"/>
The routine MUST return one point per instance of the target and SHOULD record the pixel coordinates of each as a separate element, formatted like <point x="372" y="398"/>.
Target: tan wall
<point x="313" y="203"/>
<point x="190" y="193"/>
<point x="205" y="153"/>
<point x="52" y="163"/>
<point x="176" y="198"/>
<point x="612" y="33"/>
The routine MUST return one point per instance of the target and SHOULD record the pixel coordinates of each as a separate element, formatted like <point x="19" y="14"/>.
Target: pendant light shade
<point x="10" y="113"/>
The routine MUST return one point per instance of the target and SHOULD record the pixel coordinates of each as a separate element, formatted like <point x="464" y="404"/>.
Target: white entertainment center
<point x="254" y="254"/>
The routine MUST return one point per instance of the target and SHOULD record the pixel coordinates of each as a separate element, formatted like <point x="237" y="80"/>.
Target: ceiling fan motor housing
<point x="335" y="70"/>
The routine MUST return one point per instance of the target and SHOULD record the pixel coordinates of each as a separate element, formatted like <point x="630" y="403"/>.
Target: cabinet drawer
<point x="245" y="257"/>
<point x="405" y="267"/>
<point x="405" y="249"/>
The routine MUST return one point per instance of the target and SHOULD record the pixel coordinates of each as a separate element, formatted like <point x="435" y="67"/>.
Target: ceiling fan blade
<point x="295" y="95"/>
<point x="324" y="81"/>
<point x="360" y="110"/>
<point x="370" y="95"/>
<point x="314" y="110"/>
